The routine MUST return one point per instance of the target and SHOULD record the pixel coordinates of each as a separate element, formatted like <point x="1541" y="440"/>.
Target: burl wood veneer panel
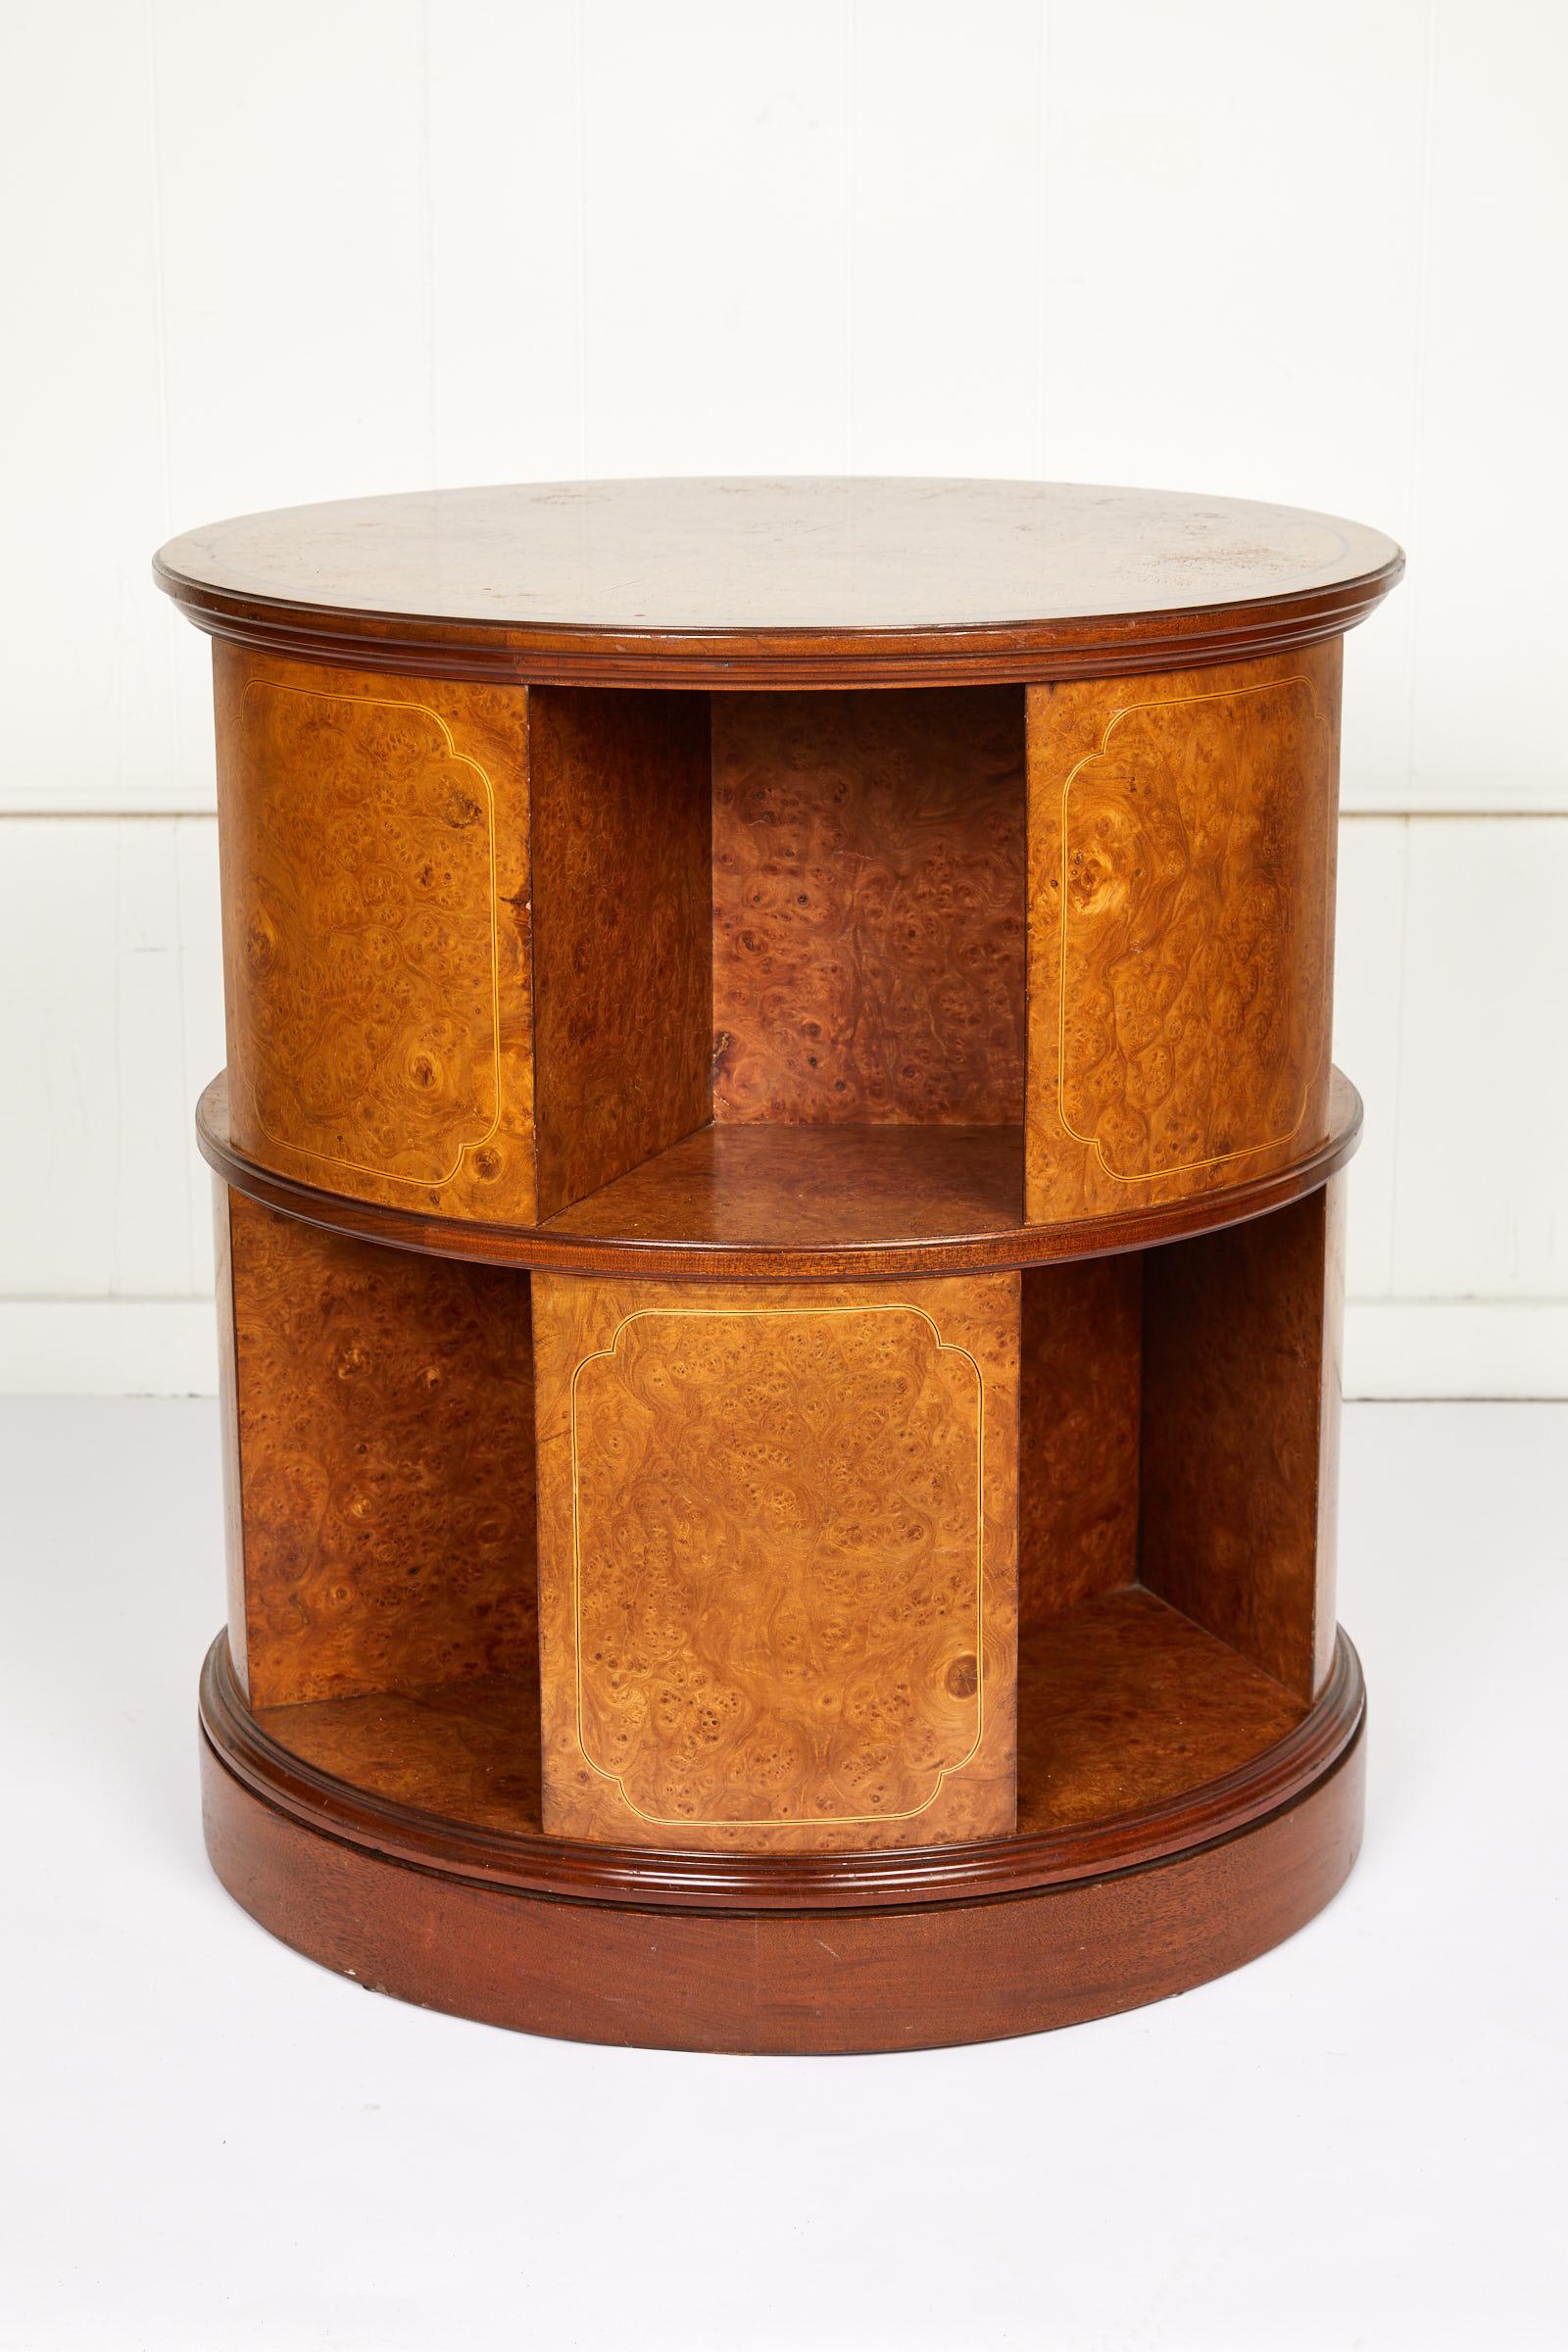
<point x="374" y="835"/>
<point x="385" y="1421"/>
<point x="869" y="893"/>
<point x="623" y="941"/>
<point x="469" y="1749"/>
<point x="229" y="1422"/>
<point x="777" y="1561"/>
<point x="1181" y="944"/>
<point x="1123" y="1703"/>
<point x="796" y="1188"/>
<point x="1241" y="1433"/>
<point x="1078" y="1436"/>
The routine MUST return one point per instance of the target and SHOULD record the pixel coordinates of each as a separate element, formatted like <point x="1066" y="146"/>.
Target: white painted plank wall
<point x="371" y="244"/>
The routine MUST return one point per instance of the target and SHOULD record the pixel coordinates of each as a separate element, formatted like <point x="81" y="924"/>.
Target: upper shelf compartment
<point x="868" y="908"/>
<point x="490" y="949"/>
<point x="495" y="950"/>
<point x="490" y="952"/>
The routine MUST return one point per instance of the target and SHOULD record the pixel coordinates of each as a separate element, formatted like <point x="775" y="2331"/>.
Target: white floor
<point x="1356" y="2142"/>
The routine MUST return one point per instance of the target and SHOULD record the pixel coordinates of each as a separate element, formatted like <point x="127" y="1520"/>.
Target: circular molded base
<point x="311" y="1866"/>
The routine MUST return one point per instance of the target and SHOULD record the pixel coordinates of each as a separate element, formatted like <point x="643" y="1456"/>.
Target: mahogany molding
<point x="891" y="1878"/>
<point x="553" y="1249"/>
<point x="751" y="583"/>
<point x="430" y="648"/>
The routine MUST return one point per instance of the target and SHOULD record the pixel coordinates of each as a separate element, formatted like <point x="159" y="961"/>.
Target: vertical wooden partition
<point x="1240" y="1433"/>
<point x="1080" y="1437"/>
<point x="380" y="1417"/>
<point x="621" y="851"/>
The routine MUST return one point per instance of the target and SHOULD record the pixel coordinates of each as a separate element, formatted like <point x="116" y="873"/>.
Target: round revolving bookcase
<point x="778" y="1215"/>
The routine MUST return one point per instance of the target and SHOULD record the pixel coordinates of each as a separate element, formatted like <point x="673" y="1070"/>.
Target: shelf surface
<point x="842" y="1203"/>
<point x="1123" y="1705"/>
<point x="740" y="1187"/>
<point x="734" y="582"/>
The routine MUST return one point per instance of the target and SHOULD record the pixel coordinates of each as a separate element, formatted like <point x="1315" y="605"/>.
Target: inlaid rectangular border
<point x="355" y="1167"/>
<point x="757" y="1313"/>
<point x="1180" y="1168"/>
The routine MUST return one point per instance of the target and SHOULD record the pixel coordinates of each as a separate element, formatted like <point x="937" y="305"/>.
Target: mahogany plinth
<point x="779" y="1198"/>
<point x="904" y="1950"/>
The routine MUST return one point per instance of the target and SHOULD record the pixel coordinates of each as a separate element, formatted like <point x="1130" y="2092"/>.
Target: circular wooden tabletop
<point x="754" y="582"/>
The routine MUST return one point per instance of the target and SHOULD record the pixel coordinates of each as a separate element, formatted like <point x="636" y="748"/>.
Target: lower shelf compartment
<point x="1123" y="1705"/>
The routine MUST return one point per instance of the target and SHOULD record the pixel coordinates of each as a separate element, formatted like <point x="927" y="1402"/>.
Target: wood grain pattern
<point x="1125" y="1704"/>
<point x="782" y="1188"/>
<point x="1331" y="1395"/>
<point x="741" y="583"/>
<point x="622" y="954"/>
<point x="373" y="837"/>
<point x="228" y="1423"/>
<point x="868" y="884"/>
<point x="385" y="1412"/>
<point x="1078" y="1438"/>
<point x="777" y="1563"/>
<point x="1240" y="1423"/>
<point x="1181" y="888"/>
<point x="467" y="1750"/>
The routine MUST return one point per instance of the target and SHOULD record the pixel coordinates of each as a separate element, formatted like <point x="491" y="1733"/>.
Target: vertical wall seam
<point x="846" y="201"/>
<point x="1396" y="1107"/>
<point x="581" y="112"/>
<point x="1418" y="388"/>
<point x="1043" y="466"/>
<point x="427" y="167"/>
<point x="165" y="448"/>
<point x="115" y="1275"/>
<point x="190" y="1086"/>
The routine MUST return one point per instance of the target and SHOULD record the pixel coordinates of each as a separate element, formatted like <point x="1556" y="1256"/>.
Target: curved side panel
<point x="377" y="969"/>
<point x="1181" y="941"/>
